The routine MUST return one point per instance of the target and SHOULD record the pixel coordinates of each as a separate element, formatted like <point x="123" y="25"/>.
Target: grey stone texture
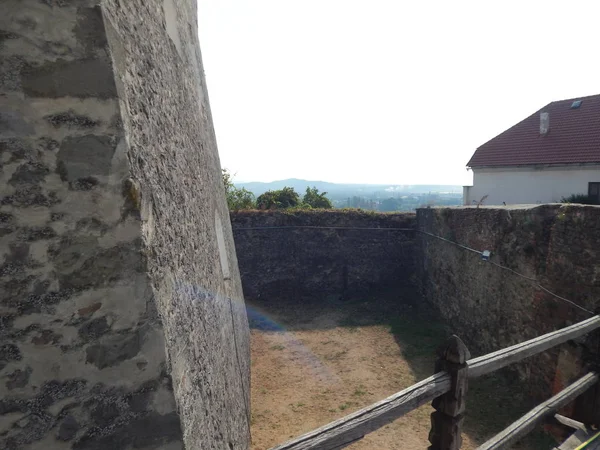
<point x="117" y="327"/>
<point x="308" y="264"/>
<point x="176" y="181"/>
<point x="491" y="308"/>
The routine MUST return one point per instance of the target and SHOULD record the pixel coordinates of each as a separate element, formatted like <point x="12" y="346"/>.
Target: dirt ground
<point x="312" y="365"/>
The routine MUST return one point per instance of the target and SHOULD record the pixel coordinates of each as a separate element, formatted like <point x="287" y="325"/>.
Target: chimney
<point x="544" y="123"/>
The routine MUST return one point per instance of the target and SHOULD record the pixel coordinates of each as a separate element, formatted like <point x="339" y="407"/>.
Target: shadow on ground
<point x="493" y="402"/>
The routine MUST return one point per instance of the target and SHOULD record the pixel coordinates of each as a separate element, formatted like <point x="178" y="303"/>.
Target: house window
<point x="594" y="192"/>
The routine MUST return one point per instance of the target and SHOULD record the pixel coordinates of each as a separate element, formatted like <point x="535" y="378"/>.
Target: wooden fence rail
<point x="348" y="429"/>
<point x="525" y="424"/>
<point x="354" y="426"/>
<point x="502" y="358"/>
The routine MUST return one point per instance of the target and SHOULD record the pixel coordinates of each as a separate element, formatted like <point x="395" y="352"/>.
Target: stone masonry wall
<point x="121" y="314"/>
<point x="176" y="181"/>
<point x="307" y="264"/>
<point x="491" y="308"/>
<point x="82" y="359"/>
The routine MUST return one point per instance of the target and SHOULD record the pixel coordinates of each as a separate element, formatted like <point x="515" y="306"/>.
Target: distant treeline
<point x="367" y="197"/>
<point x="287" y="197"/>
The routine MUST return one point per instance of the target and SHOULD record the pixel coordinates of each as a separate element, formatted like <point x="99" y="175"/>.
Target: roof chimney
<point x="544" y="123"/>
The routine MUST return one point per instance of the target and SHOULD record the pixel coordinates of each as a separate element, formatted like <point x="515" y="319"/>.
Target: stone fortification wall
<point x="121" y="312"/>
<point x="342" y="256"/>
<point x="492" y="307"/>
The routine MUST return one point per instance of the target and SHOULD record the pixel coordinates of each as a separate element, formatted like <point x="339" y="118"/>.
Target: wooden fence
<point x="447" y="389"/>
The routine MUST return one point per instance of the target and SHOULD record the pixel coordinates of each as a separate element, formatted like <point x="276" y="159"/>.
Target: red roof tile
<point x="573" y="138"/>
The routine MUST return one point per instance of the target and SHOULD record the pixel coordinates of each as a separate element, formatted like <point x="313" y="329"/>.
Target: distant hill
<point x="343" y="191"/>
<point x="258" y="187"/>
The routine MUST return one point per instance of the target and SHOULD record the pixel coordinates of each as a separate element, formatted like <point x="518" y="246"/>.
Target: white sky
<point x="385" y="91"/>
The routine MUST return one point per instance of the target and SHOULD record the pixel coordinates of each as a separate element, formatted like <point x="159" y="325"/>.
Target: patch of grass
<point x="418" y="337"/>
<point x="344" y="406"/>
<point x="359" y="391"/>
<point x="277" y="347"/>
<point x="296" y="406"/>
<point x="256" y="417"/>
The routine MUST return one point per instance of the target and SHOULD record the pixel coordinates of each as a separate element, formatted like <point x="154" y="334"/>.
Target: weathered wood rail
<point x="537" y="415"/>
<point x="447" y="389"/>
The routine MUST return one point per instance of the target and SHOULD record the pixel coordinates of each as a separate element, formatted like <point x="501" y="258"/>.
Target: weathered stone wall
<point x="304" y="264"/>
<point x="176" y="180"/>
<point x="493" y="308"/>
<point x="121" y="311"/>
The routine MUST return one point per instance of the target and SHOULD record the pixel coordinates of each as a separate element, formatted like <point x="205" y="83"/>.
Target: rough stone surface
<point x="308" y="264"/>
<point x="84" y="156"/>
<point x="68" y="428"/>
<point x="117" y="327"/>
<point x="491" y="308"/>
<point x="80" y="78"/>
<point x="176" y="183"/>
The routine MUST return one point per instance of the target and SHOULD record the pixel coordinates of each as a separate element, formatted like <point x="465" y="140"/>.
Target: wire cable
<point x="513" y="271"/>
<point x="534" y="280"/>
<point x="451" y="242"/>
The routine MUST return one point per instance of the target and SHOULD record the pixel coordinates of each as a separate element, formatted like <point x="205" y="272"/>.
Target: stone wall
<point x="309" y="264"/>
<point x="283" y="259"/>
<point x="191" y="255"/>
<point x="121" y="310"/>
<point x="493" y="308"/>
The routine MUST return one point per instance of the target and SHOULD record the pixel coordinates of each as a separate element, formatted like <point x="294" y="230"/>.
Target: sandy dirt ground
<point x="316" y="369"/>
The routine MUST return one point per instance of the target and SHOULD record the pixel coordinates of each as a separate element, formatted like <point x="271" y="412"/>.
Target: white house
<point x="551" y="154"/>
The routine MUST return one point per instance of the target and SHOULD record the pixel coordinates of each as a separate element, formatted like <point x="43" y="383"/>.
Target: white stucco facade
<point x="534" y="184"/>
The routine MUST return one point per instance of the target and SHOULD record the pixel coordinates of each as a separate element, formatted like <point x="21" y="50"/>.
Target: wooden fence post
<point x="447" y="419"/>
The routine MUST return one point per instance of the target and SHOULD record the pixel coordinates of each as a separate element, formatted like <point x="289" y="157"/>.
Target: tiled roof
<point x="573" y="138"/>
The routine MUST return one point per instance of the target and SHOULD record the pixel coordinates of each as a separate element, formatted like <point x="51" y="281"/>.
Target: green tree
<point x="237" y="198"/>
<point x="316" y="199"/>
<point x="280" y="199"/>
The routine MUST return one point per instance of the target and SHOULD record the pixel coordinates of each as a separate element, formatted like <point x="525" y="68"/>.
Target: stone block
<point x="114" y="350"/>
<point x="80" y="78"/>
<point x="82" y="157"/>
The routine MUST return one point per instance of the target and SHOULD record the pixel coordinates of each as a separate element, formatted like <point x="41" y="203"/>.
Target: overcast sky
<point x="385" y="91"/>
